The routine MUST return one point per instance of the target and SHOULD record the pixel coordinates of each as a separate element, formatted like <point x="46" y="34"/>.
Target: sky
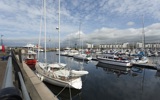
<point x="93" y="21"/>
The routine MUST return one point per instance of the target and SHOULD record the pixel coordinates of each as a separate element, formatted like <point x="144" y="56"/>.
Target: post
<point x="20" y="55"/>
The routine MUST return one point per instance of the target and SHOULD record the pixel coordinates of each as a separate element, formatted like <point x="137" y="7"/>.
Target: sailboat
<point x="82" y="56"/>
<point x="45" y="64"/>
<point x="60" y="77"/>
<point x="141" y="58"/>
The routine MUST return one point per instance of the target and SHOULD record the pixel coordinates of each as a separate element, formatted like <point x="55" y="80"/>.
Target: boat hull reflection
<point x="119" y="70"/>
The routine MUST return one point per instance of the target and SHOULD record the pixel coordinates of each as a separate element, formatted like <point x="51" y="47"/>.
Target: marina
<point x="79" y="50"/>
<point x="111" y="82"/>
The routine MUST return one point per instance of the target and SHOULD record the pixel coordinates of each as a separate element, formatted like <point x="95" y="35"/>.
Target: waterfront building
<point x="128" y="45"/>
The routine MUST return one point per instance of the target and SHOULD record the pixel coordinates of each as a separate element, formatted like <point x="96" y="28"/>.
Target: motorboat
<point x="30" y="59"/>
<point x="115" y="60"/>
<point x="140" y="60"/>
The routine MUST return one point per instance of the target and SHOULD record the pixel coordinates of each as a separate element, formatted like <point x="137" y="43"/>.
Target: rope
<point x="61" y="90"/>
<point x="70" y="93"/>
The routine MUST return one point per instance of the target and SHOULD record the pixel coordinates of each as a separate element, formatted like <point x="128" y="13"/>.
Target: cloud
<point x="111" y="35"/>
<point x="130" y="23"/>
<point x="102" y="21"/>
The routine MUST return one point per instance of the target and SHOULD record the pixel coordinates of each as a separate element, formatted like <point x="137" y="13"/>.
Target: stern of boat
<point x="76" y="83"/>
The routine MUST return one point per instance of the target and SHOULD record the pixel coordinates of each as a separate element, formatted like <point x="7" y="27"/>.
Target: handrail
<point x="8" y="82"/>
<point x="9" y="91"/>
<point x="23" y="87"/>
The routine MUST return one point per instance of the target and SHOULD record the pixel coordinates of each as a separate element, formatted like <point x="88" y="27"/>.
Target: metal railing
<point x="8" y="82"/>
<point x="23" y="87"/>
<point x="8" y="90"/>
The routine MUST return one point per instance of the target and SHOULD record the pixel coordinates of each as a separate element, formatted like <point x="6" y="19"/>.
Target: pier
<point x="19" y="81"/>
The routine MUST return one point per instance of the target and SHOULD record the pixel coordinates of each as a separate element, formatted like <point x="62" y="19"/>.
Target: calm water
<point x="106" y="82"/>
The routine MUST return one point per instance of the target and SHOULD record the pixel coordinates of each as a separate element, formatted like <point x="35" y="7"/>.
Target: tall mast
<point x="143" y="34"/>
<point x="39" y="42"/>
<point x="80" y="45"/>
<point x="59" y="28"/>
<point x="45" y="58"/>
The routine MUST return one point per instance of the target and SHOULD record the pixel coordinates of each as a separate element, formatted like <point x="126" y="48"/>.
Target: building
<point x="127" y="45"/>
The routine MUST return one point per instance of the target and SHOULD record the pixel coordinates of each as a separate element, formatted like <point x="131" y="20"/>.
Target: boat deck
<point x="51" y="75"/>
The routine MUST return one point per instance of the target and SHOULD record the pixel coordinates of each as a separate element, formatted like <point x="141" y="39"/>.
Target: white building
<point x="89" y="45"/>
<point x="125" y="45"/>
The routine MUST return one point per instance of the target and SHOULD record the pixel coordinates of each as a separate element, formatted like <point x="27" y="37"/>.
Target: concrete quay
<point x="34" y="84"/>
<point x="36" y="89"/>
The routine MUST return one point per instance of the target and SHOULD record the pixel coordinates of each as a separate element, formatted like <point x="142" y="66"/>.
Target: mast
<point x="143" y="34"/>
<point x="80" y="45"/>
<point x="59" y="27"/>
<point x="45" y="58"/>
<point x="40" y="32"/>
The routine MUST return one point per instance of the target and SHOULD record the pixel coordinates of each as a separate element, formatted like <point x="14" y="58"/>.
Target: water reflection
<point x="118" y="70"/>
<point x="64" y="93"/>
<point x="121" y="70"/>
<point x="108" y="82"/>
<point x="157" y="74"/>
<point x="136" y="70"/>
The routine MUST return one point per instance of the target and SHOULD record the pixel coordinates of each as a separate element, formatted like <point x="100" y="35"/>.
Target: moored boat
<point x="114" y="60"/>
<point x="61" y="77"/>
<point x="30" y="59"/>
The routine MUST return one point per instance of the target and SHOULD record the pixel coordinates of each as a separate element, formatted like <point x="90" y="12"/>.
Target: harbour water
<point x="108" y="82"/>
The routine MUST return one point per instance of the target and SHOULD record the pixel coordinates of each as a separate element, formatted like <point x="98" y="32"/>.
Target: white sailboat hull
<point x="76" y="83"/>
<point x="58" y="78"/>
<point x="82" y="57"/>
<point x="71" y="53"/>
